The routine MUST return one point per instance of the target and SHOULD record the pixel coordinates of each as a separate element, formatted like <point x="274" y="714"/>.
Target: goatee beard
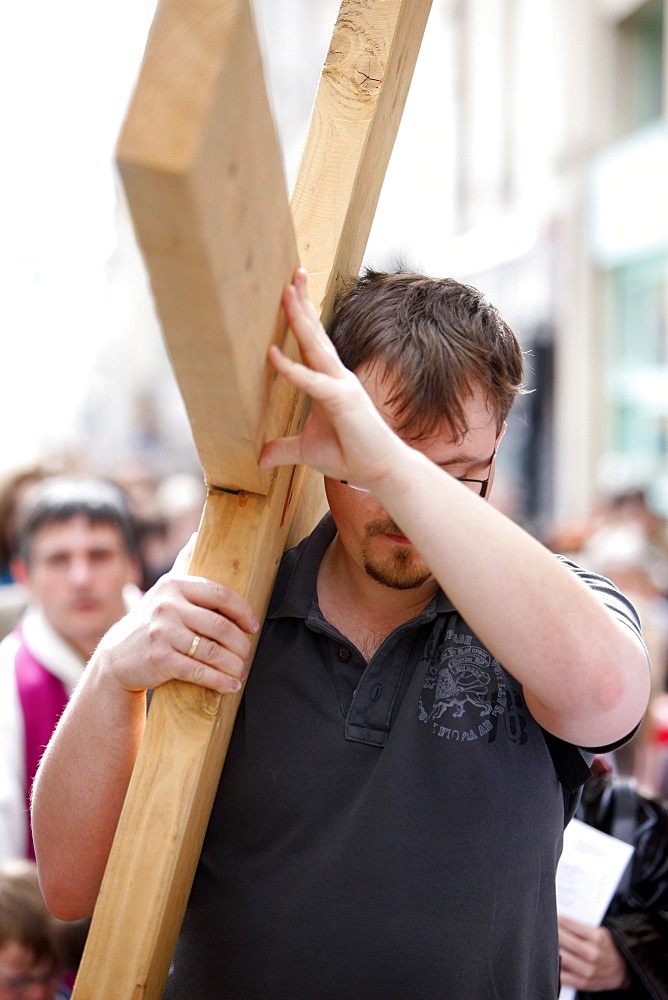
<point x="402" y="569"/>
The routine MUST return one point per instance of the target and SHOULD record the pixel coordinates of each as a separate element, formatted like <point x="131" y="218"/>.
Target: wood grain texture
<point x="355" y="118"/>
<point x="204" y="179"/>
<point x="242" y="536"/>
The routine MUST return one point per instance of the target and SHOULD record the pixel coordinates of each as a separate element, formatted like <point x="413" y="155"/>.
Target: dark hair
<point x="60" y="498"/>
<point x="12" y="490"/>
<point x="23" y="913"/>
<point x="24" y="917"/>
<point x="434" y="339"/>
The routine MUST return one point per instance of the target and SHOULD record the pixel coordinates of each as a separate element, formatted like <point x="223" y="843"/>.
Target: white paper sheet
<point x="590" y="869"/>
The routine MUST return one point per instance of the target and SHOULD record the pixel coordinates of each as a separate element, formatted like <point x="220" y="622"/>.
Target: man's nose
<point x="80" y="569"/>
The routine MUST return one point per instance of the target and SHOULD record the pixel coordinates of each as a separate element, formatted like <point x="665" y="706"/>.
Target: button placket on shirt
<point x="370" y="714"/>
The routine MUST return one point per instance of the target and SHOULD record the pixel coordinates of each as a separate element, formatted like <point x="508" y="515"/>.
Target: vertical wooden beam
<point x="355" y="118"/>
<point x="242" y="534"/>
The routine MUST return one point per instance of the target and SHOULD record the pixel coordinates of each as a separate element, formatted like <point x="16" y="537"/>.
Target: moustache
<point x="383" y="527"/>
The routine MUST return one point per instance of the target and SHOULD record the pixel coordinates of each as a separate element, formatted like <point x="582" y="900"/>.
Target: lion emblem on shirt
<point x="457" y="684"/>
<point x="458" y="687"/>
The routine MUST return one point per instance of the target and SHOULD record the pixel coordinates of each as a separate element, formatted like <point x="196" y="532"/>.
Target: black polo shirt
<point x="382" y="830"/>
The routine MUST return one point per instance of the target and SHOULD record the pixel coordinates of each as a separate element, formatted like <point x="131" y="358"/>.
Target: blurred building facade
<point x="562" y="173"/>
<point x="533" y="162"/>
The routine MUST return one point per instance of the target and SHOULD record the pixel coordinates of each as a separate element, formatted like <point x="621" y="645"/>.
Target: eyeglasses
<point x="478" y="486"/>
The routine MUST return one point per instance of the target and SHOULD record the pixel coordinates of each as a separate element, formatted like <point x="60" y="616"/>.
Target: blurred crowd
<point x="626" y="540"/>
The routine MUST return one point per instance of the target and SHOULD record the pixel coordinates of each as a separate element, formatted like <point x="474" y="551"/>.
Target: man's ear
<point x="20" y="571"/>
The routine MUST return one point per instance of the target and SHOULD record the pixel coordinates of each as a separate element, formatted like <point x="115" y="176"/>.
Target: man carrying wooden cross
<point x="390" y="813"/>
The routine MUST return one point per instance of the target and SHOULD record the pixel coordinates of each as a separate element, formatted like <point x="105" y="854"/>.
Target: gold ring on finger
<point x="193" y="647"/>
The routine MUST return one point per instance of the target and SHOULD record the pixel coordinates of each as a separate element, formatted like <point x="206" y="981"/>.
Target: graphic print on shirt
<point x="466" y="692"/>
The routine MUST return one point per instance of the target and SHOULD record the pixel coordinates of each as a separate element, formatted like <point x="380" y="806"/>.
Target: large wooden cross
<point x="204" y="178"/>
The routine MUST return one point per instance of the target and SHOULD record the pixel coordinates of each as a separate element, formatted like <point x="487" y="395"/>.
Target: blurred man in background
<point x="77" y="562"/>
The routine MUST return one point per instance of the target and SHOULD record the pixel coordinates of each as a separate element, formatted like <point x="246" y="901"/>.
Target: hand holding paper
<point x="590" y="869"/>
<point x="590" y="959"/>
